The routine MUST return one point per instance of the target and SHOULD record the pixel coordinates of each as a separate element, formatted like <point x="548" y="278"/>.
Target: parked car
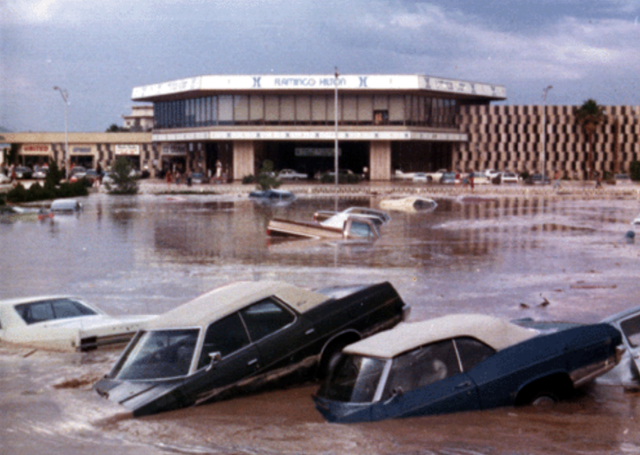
<point x="536" y="179"/>
<point x="11" y="213"/>
<point x="627" y="372"/>
<point x="509" y="177"/>
<point x="64" y="323"/>
<point x="462" y="363"/>
<point x="77" y="173"/>
<point x="480" y="178"/>
<point x="4" y="179"/>
<point x="40" y="172"/>
<point x="91" y="175"/>
<point x="242" y="336"/>
<point x="199" y="178"/>
<point x="290" y="174"/>
<point x="353" y="228"/>
<point x="492" y="173"/>
<point x="420" y="177"/>
<point x="622" y="178"/>
<point x="450" y="178"/>
<point x="23" y="172"/>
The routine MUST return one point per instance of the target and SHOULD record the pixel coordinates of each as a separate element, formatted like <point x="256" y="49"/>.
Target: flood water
<point x="150" y="253"/>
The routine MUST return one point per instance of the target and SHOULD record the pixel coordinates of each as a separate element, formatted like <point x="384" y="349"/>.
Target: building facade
<point x="383" y="122"/>
<point x="511" y="138"/>
<point x="84" y="149"/>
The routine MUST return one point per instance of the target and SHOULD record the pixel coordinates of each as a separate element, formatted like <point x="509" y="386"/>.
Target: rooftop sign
<point x="317" y="82"/>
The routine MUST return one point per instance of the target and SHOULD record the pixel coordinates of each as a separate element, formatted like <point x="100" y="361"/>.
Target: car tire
<point x="544" y="399"/>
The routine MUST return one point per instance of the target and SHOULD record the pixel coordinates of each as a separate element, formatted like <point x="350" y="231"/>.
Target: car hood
<point x="147" y="397"/>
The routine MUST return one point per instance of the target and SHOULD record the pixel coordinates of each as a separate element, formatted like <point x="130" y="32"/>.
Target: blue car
<point x="462" y="363"/>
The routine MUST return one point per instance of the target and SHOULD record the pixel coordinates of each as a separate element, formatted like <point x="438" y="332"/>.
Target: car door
<point x="631" y="331"/>
<point x="425" y="381"/>
<point x="279" y="334"/>
<point x="239" y="358"/>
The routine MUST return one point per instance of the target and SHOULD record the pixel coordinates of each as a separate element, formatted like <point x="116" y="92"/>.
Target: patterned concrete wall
<point x="510" y="138"/>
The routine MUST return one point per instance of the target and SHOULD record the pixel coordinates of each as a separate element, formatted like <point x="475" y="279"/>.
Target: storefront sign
<point x="174" y="149"/>
<point x="309" y="151"/>
<point x="81" y="150"/>
<point x="127" y="150"/>
<point x="39" y="149"/>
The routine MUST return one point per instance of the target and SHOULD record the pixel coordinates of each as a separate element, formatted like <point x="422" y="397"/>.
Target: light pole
<point x="335" y="120"/>
<point x="65" y="156"/>
<point x="544" y="128"/>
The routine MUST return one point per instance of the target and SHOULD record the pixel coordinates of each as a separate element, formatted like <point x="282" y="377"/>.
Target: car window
<point x="224" y="336"/>
<point x="35" y="312"/>
<point x="360" y="229"/>
<point x="472" y="352"/>
<point x="354" y="379"/>
<point x="421" y="367"/>
<point x="65" y="308"/>
<point x="631" y="329"/>
<point x="265" y="317"/>
<point x="158" y="355"/>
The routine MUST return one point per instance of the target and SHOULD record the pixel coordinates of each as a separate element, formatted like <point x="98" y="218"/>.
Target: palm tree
<point x="590" y="115"/>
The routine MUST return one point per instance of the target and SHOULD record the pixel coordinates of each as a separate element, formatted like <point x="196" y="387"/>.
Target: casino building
<point x="385" y="122"/>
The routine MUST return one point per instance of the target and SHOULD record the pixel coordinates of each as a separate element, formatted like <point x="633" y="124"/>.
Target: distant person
<point x="556" y="181"/>
<point x="598" y="181"/>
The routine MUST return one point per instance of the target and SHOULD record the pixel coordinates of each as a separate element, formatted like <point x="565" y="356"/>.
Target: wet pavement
<point x="477" y="253"/>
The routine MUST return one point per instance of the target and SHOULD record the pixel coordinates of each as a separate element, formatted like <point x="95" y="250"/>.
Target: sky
<point x="98" y="51"/>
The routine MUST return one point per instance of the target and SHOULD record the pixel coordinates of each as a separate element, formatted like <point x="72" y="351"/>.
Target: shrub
<point x="249" y="179"/>
<point x="123" y="180"/>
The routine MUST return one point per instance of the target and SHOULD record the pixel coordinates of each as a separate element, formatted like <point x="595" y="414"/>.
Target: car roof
<point x="228" y="299"/>
<point x="495" y="332"/>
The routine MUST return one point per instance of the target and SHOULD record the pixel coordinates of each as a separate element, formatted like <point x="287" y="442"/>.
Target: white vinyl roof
<point x="497" y="333"/>
<point x="225" y="300"/>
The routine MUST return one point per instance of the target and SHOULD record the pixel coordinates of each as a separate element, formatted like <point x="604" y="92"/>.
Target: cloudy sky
<point x="99" y="50"/>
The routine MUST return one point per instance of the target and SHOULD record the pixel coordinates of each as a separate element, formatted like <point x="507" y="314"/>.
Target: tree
<point x="589" y="116"/>
<point x="115" y="129"/>
<point x="266" y="177"/>
<point x="124" y="181"/>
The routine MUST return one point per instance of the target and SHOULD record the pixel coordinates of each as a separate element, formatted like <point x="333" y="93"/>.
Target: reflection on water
<point x="148" y="254"/>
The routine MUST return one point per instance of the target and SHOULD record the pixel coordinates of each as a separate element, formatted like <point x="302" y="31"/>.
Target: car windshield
<point x="354" y="379"/>
<point x="46" y="310"/>
<point x="157" y="355"/>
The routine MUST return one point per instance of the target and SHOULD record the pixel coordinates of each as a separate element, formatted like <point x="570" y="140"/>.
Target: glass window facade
<point x="217" y="110"/>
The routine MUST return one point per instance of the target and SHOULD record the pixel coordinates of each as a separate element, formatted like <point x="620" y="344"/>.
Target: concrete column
<point x="243" y="159"/>
<point x="380" y="160"/>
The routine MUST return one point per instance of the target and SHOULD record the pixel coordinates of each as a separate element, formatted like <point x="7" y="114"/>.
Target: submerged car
<point x="64" y="323"/>
<point x="242" y="336"/>
<point x="66" y="206"/>
<point x="337" y="219"/>
<point x="409" y="204"/>
<point x="272" y="197"/>
<point x="462" y="363"/>
<point x="627" y="372"/>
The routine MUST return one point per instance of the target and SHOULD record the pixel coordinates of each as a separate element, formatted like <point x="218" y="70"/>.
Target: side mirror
<point x="215" y="358"/>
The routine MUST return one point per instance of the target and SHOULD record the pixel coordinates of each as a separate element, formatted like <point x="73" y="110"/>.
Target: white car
<point x="290" y="174"/>
<point x="509" y="177"/>
<point x="4" y="179"/>
<point x="64" y="323"/>
<point x="492" y="173"/>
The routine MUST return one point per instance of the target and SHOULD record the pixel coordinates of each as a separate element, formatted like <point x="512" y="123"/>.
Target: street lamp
<point x="544" y="128"/>
<point x="335" y="120"/>
<point x="65" y="97"/>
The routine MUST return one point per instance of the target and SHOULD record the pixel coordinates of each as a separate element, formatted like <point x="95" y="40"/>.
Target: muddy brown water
<point x="147" y="254"/>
